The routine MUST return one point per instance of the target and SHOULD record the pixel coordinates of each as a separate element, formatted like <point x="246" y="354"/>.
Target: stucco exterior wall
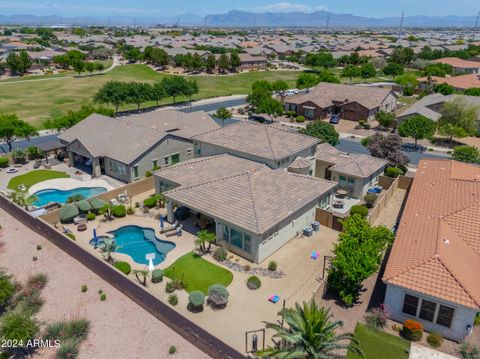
<point x="394" y="298"/>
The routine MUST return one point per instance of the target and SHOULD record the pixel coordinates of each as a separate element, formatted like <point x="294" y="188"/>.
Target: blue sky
<point x="151" y="8"/>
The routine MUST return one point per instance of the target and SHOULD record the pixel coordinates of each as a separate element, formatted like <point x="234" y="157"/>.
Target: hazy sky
<point x="151" y="8"/>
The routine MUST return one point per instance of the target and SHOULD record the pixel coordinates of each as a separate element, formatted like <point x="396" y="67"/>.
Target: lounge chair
<point x="80" y="219"/>
<point x="66" y="230"/>
<point x="274" y="298"/>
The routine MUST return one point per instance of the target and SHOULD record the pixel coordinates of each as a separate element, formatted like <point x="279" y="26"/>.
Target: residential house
<point x="248" y="62"/>
<point x="460" y="66"/>
<point x="460" y="82"/>
<point x="350" y="102"/>
<point x="253" y="209"/>
<point x="353" y="172"/>
<point x="126" y="148"/>
<point x="432" y="271"/>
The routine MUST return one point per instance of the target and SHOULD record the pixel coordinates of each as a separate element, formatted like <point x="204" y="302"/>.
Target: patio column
<point x="96" y="170"/>
<point x="71" y="158"/>
<point x="170" y="217"/>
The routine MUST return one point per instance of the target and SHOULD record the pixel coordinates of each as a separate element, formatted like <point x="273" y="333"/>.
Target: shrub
<point x="84" y="288"/>
<point x="37" y="281"/>
<point x="173" y="299"/>
<point x="469" y="351"/>
<point x="4" y="162"/>
<point x="7" y="288"/>
<point x="148" y="173"/>
<point x="364" y="141"/>
<point x="30" y="302"/>
<point x="218" y="295"/>
<point x="91" y="216"/>
<point x="476" y="322"/>
<point x="361" y="210"/>
<point x="68" y="349"/>
<point x="254" y="282"/>
<point x="39" y="247"/>
<point x="435" y="340"/>
<point x="103" y="297"/>
<point x="367" y="126"/>
<point x="18" y="326"/>
<point x="300" y="119"/>
<point x="68" y="212"/>
<point x="361" y="122"/>
<point x="272" y="266"/>
<point x="75" y="198"/>
<point x="376" y="319"/>
<point x="393" y="172"/>
<point x="174" y="285"/>
<point x="71" y="235"/>
<point x="130" y="211"/>
<point x="119" y="211"/>
<point x="84" y="206"/>
<point x="220" y="254"/>
<point x="172" y="349"/>
<point x="97" y="204"/>
<point x="370" y="199"/>
<point x="77" y="329"/>
<point x="151" y="202"/>
<point x="196" y="300"/>
<point x="157" y="275"/>
<point x="123" y="267"/>
<point x="412" y="330"/>
<point x="182" y="213"/>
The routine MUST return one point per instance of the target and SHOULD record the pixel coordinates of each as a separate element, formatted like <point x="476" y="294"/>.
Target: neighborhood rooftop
<point x="437" y="247"/>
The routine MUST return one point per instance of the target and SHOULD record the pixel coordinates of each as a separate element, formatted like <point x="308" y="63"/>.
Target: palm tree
<point x="204" y="237"/>
<point x="310" y="333"/>
<point x="222" y="114"/>
<point x="107" y="247"/>
<point x="23" y="199"/>
<point x="144" y="274"/>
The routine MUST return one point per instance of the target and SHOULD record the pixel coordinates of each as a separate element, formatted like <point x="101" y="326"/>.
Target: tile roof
<point x="437" y="247"/>
<point x="265" y="141"/>
<point x="460" y="82"/>
<point x="459" y="63"/>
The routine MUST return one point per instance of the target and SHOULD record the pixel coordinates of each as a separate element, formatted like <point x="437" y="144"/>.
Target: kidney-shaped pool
<point x="46" y="196"/>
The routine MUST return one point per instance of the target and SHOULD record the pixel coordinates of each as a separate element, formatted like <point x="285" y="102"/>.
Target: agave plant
<point x="309" y="333"/>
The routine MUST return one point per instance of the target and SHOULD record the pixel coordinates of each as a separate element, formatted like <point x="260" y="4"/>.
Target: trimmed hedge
<point x="300" y="119"/>
<point x="97" y="204"/>
<point x="218" y="295"/>
<point x="84" y="206"/>
<point x="151" y="202"/>
<point x="124" y="267"/>
<point x="157" y="275"/>
<point x="119" y="211"/>
<point x="254" y="282"/>
<point x="393" y="172"/>
<point x="196" y="300"/>
<point x="91" y="216"/>
<point x="4" y="162"/>
<point x="68" y="212"/>
<point x="361" y="210"/>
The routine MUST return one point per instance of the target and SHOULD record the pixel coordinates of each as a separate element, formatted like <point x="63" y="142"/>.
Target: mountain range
<point x="236" y="18"/>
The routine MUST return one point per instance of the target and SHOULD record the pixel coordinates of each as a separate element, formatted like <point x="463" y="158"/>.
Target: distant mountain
<point x="319" y="19"/>
<point x="236" y="18"/>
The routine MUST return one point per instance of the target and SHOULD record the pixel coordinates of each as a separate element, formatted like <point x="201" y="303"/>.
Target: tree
<point x="388" y="148"/>
<point x="418" y="127"/>
<point x="224" y="63"/>
<point x="402" y="55"/>
<point x="190" y="89"/>
<point x="444" y="89"/>
<point x="385" y="119"/>
<point x="90" y="67"/>
<point x="159" y="57"/>
<point x="472" y="91"/>
<point x="99" y="66"/>
<point x="438" y="69"/>
<point x="19" y="63"/>
<point x="133" y="55"/>
<point x="367" y="70"/>
<point x="323" y="131"/>
<point x="114" y="93"/>
<point x="357" y="255"/>
<point x="351" y="71"/>
<point x="223" y="114"/>
<point x="158" y="92"/>
<point x="327" y="76"/>
<point x="468" y="154"/>
<point x="107" y="247"/>
<point x="279" y="86"/>
<point x="138" y="92"/>
<point x="378" y="62"/>
<point x="175" y="86"/>
<point x="234" y="61"/>
<point x="11" y="129"/>
<point x="205" y="237"/>
<point x="320" y="59"/>
<point x="309" y="333"/>
<point x="306" y="80"/>
<point x="393" y="69"/>
<point x="78" y="66"/>
<point x="141" y="272"/>
<point x="62" y="60"/>
<point x="210" y="63"/>
<point x="458" y="118"/>
<point x="408" y="82"/>
<point x="270" y="106"/>
<point x="23" y="199"/>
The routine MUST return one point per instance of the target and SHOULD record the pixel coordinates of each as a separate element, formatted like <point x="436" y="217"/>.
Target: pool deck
<point x="65" y="184"/>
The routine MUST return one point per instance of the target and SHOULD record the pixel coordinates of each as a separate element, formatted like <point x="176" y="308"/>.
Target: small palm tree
<point x="222" y="114"/>
<point x="204" y="237"/>
<point x="144" y="274"/>
<point x="107" y="247"/>
<point x="107" y="211"/>
<point x="310" y="333"/>
<point x="23" y="199"/>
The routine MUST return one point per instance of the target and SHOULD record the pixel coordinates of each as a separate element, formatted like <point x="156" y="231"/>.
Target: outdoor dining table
<point x="341" y="193"/>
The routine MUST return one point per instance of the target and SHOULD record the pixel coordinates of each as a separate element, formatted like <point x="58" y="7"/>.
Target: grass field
<point x="33" y="177"/>
<point x="378" y="344"/>
<point x="198" y="273"/>
<point x="36" y="100"/>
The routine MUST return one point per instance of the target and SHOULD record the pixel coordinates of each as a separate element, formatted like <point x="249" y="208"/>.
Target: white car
<point x="291" y="92"/>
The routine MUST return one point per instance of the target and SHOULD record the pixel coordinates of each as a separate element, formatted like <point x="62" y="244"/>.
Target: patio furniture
<point x="66" y="230"/>
<point x="82" y="227"/>
<point x="341" y="193"/>
<point x="274" y="298"/>
<point x="80" y="219"/>
<point x="114" y="202"/>
<point x="338" y="203"/>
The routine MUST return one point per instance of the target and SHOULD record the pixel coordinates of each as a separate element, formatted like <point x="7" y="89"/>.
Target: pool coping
<point x="65" y="184"/>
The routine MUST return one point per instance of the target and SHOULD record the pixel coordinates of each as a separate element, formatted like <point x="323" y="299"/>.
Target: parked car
<point x="260" y="118"/>
<point x="291" y="92"/>
<point x="410" y="147"/>
<point x="334" y="119"/>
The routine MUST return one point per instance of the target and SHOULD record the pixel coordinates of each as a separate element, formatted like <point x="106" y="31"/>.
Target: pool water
<point x="137" y="241"/>
<point x="46" y="196"/>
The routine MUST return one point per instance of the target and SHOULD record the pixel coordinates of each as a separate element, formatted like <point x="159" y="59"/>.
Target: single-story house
<point x="350" y="102"/>
<point x="353" y="172"/>
<point x="126" y="148"/>
<point x="254" y="209"/>
<point x="432" y="271"/>
<point x="460" y="82"/>
<point x="269" y="144"/>
<point x="460" y="66"/>
<point x="248" y="61"/>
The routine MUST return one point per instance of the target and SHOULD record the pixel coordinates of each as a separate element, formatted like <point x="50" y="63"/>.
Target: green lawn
<point x="35" y="100"/>
<point x="378" y="345"/>
<point x="32" y="177"/>
<point x="198" y="273"/>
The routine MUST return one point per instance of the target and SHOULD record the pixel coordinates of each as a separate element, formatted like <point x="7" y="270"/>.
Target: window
<point x="445" y="316"/>
<point x="343" y="178"/>
<point x="427" y="310"/>
<point x="135" y="172"/>
<point x="410" y="305"/>
<point x="175" y="158"/>
<point x="165" y="160"/>
<point x="236" y="238"/>
<point x="246" y="242"/>
<point x="189" y="152"/>
<point x="350" y="180"/>
<point x="226" y="234"/>
<point x="155" y="163"/>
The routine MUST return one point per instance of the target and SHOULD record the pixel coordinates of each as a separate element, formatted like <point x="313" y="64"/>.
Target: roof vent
<point x="446" y="241"/>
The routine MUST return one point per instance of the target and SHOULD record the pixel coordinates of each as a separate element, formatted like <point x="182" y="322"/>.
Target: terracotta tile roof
<point x="460" y="82"/>
<point x="437" y="247"/>
<point x="458" y="63"/>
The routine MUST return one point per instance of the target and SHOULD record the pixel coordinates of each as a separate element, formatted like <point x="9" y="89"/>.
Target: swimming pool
<point x="46" y="196"/>
<point x="137" y="241"/>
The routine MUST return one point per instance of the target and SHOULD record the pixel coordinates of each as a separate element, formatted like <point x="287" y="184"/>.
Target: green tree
<point x="90" y="67"/>
<point x="444" y="89"/>
<point x="99" y="66"/>
<point x="472" y="91"/>
<point x="306" y="80"/>
<point x="62" y="60"/>
<point x="138" y="92"/>
<point x="113" y="93"/>
<point x="210" y="63"/>
<point x="175" y="86"/>
<point x="205" y="238"/>
<point x="78" y="66"/>
<point x="351" y="71"/>
<point x="468" y="154"/>
<point x="368" y="70"/>
<point x="393" y="69"/>
<point x="309" y="332"/>
<point x="458" y="118"/>
<point x="223" y="114"/>
<point x="418" y="127"/>
<point x="320" y="59"/>
<point x="385" y="119"/>
<point x="133" y="55"/>
<point x="327" y="76"/>
<point x="11" y="129"/>
<point x="158" y="92"/>
<point x="22" y="198"/>
<point x="107" y="247"/>
<point x="159" y="57"/>
<point x="270" y="106"/>
<point x="224" y="63"/>
<point x="19" y="63"/>
<point x="190" y="90"/>
<point x="234" y="61"/>
<point x="323" y="131"/>
<point x="408" y="82"/>
<point x="279" y="86"/>
<point x="402" y="55"/>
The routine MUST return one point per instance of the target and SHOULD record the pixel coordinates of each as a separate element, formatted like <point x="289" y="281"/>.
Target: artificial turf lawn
<point x="32" y="177"/>
<point x="198" y="273"/>
<point x="378" y="344"/>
